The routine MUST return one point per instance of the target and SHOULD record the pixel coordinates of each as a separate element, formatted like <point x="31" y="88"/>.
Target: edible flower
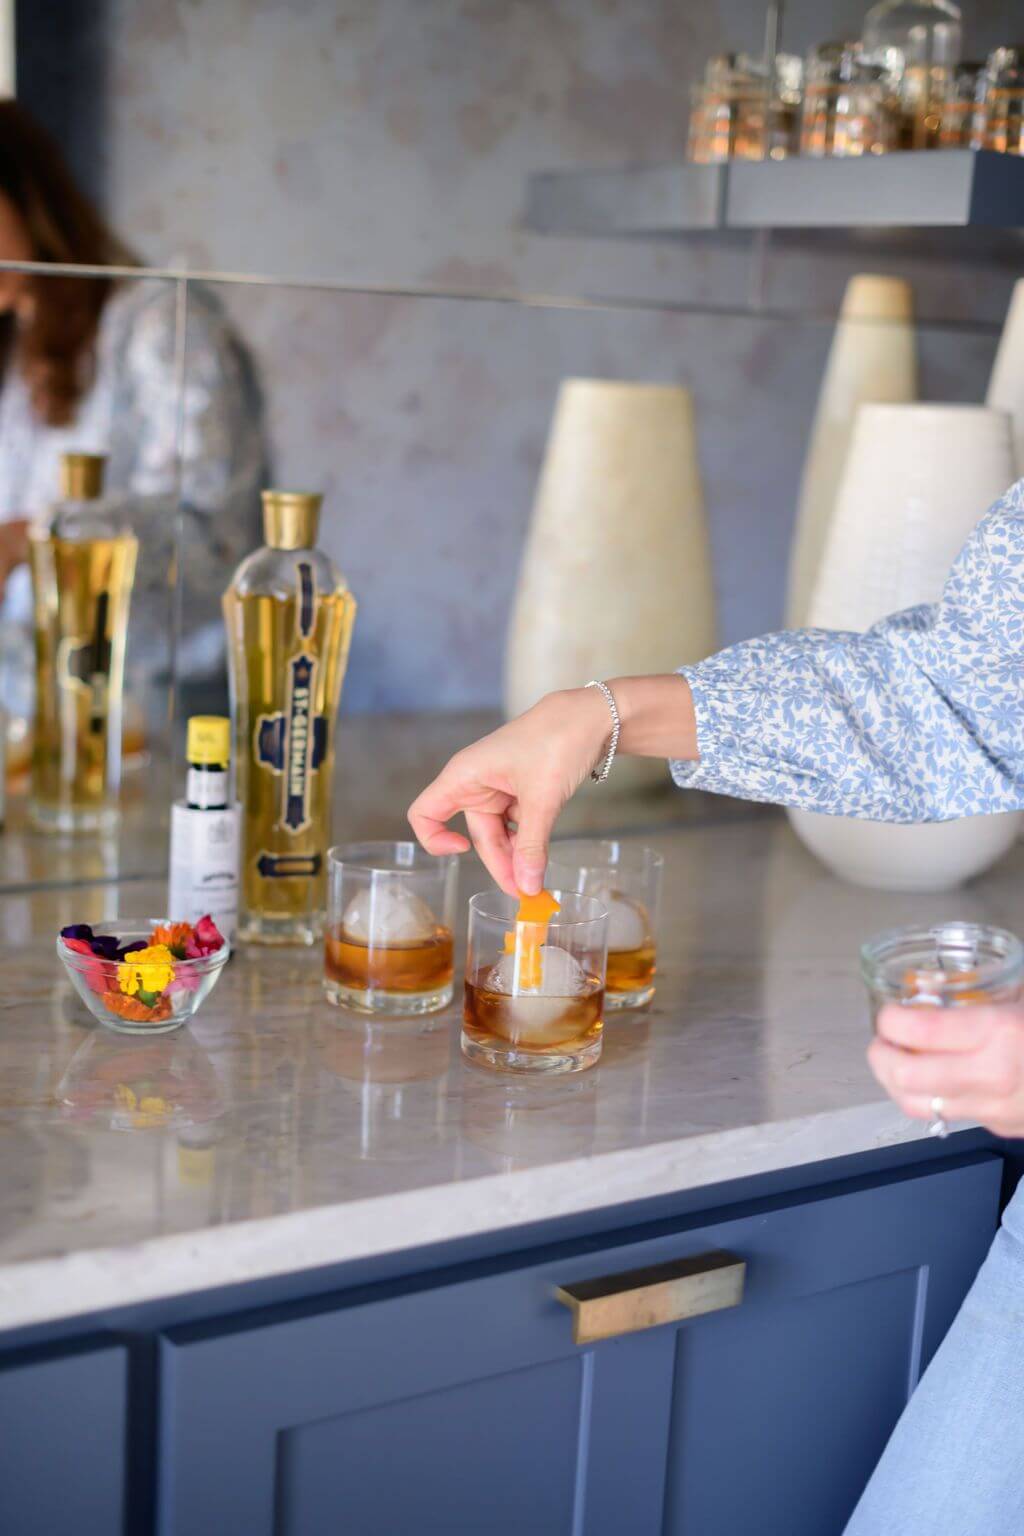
<point x="146" y="971"/>
<point x="205" y="939"/>
<point x="174" y="935"/>
<point x="95" y="971"/>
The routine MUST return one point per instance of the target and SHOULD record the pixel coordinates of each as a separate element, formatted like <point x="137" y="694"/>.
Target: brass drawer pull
<point x="646" y="1298"/>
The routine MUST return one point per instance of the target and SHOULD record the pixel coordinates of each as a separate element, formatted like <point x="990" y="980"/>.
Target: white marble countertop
<point x="308" y="1138"/>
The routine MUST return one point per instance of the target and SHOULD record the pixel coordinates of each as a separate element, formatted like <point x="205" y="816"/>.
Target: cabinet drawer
<point x="459" y="1403"/>
<point x="63" y="1420"/>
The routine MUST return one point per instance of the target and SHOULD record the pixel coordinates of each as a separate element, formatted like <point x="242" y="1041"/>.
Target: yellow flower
<point x="124" y="1096"/>
<point x="152" y="1110"/>
<point x="146" y="970"/>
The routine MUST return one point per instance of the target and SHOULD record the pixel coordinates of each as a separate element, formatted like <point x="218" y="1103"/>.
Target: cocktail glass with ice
<point x="626" y="878"/>
<point x="534" y="997"/>
<point x="390" y="914"/>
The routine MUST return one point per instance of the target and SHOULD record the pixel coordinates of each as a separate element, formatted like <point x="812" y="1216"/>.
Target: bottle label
<point x="293" y="744"/>
<point x="206" y="788"/>
<point x="204" y="866"/>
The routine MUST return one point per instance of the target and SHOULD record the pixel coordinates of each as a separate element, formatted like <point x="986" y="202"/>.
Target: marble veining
<point x="303" y="1137"/>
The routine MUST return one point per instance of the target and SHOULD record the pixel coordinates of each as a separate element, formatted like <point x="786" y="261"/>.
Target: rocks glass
<point x="390" y="914"/>
<point x="627" y="880"/>
<point x="534" y="999"/>
<point x="948" y="965"/>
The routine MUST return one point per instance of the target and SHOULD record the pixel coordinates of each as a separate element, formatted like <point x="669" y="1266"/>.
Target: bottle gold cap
<point x="81" y="476"/>
<point x="209" y="740"/>
<point x="291" y="518"/>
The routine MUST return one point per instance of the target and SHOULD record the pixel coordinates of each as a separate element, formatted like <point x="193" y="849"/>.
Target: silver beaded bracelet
<point x="600" y="774"/>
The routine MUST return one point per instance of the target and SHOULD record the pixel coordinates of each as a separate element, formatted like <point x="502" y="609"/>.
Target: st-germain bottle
<point x="289" y="616"/>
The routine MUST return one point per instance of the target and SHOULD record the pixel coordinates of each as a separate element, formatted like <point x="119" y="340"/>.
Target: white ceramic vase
<point x="616" y="575"/>
<point x="917" y="479"/>
<point x="873" y="357"/>
<point x="1006" y="386"/>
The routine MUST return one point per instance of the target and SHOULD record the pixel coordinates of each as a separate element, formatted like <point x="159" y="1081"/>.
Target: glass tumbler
<point x="1004" y="101"/>
<point x="627" y="880"/>
<point x="534" y="999"/>
<point x="948" y="965"/>
<point x="390" y="914"/>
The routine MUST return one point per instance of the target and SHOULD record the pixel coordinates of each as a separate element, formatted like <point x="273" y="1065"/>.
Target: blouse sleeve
<point x="921" y="718"/>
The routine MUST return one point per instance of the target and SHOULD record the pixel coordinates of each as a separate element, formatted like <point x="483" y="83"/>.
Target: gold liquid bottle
<point x="289" y="616"/>
<point x="83" y="567"/>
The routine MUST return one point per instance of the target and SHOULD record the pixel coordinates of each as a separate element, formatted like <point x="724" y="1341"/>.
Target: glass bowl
<point x="101" y="984"/>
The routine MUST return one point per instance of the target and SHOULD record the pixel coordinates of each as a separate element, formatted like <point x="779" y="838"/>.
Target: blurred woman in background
<point x="93" y="365"/>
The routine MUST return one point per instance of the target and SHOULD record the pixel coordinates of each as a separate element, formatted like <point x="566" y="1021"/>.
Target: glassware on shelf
<point x="922" y="39"/>
<point x="390" y="919"/>
<point x="782" y="128"/>
<point x="627" y="880"/>
<point x="729" y="111"/>
<point x="948" y="965"/>
<point x="1004" y="101"/>
<point x="963" y="112"/>
<point x="534" y="999"/>
<point x="83" y="567"/>
<point x="850" y="106"/>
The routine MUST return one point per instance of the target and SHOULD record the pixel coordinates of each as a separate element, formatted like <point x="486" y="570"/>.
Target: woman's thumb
<point x="530" y="849"/>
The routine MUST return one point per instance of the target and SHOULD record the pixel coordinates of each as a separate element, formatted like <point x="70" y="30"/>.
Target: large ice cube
<point x="386" y="913"/>
<point x="561" y="974"/>
<point x="627" y="919"/>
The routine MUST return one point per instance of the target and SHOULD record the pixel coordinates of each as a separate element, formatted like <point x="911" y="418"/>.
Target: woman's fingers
<point x="536" y="821"/>
<point x="988" y="1074"/>
<point x="493" y="844"/>
<point x="917" y="1028"/>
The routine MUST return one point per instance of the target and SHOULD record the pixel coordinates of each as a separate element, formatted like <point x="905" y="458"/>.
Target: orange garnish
<point x="137" y="1013"/>
<point x="532" y="918"/>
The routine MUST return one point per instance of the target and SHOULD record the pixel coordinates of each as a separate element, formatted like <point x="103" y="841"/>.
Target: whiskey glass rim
<point x="384" y="856"/>
<point x="606" y="853"/>
<point x="496" y="907"/>
<point x="996" y="957"/>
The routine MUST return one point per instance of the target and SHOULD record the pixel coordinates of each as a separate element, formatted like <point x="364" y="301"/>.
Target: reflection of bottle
<point x="289" y="616"/>
<point x="204" y="832"/>
<point x="82" y="573"/>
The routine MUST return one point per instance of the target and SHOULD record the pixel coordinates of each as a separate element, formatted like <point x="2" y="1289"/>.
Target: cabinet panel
<point x="458" y="1401"/>
<point x="62" y="1443"/>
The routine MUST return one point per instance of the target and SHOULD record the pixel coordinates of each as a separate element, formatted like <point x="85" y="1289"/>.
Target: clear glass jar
<point x="849" y="104"/>
<point x="782" y="128"/>
<point x="1004" y="102"/>
<point x="923" y="39"/>
<point x="535" y="991"/>
<point x="947" y="965"/>
<point x="963" y="113"/>
<point x="729" y="111"/>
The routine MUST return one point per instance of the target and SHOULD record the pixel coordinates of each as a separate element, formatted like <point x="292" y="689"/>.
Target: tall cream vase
<point x="616" y="575"/>
<point x="873" y="357"/>
<point x="1006" y="386"/>
<point x="917" y="479"/>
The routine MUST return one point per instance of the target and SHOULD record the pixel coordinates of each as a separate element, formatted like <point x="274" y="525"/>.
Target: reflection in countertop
<point x="293" y="1135"/>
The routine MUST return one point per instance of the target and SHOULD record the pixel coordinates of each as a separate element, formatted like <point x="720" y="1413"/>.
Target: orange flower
<point x="174" y="935"/>
<point x="137" y="1013"/>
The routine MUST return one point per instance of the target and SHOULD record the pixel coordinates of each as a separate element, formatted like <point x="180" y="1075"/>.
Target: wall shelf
<point x="954" y="189"/>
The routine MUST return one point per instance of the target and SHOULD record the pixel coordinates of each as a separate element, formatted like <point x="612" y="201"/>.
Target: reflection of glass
<point x="626" y="880"/>
<point x="395" y="1075"/>
<point x="131" y="1084"/>
<point x="534" y="997"/>
<point x="1004" y="101"/>
<point x="529" y="1122"/>
<point x="849" y="107"/>
<point x="82" y="573"/>
<point x="963" y="112"/>
<point x="391" y="911"/>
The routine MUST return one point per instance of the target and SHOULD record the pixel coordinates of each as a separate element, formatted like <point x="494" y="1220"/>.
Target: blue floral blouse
<point x="921" y="718"/>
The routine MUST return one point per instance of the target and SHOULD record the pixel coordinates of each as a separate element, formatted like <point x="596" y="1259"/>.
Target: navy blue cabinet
<point x="63" y="1421"/>
<point x="460" y="1404"/>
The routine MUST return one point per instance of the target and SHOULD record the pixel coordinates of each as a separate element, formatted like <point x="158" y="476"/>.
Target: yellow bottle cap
<point x="209" y="740"/>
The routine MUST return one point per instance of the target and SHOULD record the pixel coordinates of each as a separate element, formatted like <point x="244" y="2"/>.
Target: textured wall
<point x="388" y="141"/>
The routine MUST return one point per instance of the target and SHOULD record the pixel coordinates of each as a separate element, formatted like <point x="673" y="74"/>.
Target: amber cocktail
<point x="626" y="878"/>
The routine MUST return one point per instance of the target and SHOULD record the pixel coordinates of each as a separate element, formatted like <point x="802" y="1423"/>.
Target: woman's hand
<point x="525" y="772"/>
<point x="972" y="1058"/>
<point x="13" y="548"/>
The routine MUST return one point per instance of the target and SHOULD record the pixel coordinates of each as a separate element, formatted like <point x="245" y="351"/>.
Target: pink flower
<point x="205" y="940"/>
<point x="97" y="973"/>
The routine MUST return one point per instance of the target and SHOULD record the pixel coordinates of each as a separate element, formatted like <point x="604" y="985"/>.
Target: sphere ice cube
<point x="386" y="913"/>
<point x="628" y="924"/>
<point x="561" y="974"/>
<point x="539" y="1015"/>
